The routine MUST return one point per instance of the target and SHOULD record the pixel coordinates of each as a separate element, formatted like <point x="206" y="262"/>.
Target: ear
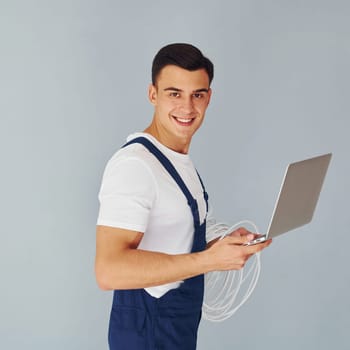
<point x="152" y="94"/>
<point x="209" y="95"/>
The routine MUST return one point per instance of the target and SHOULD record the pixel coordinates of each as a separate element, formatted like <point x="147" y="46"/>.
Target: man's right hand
<point x="231" y="253"/>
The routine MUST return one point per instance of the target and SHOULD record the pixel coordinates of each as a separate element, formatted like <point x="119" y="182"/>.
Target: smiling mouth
<point x="184" y="121"/>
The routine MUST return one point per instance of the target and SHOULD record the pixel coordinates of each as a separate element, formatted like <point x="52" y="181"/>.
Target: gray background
<point x="73" y="83"/>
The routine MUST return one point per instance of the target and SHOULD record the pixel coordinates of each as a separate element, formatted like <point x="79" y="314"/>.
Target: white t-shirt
<point x="137" y="193"/>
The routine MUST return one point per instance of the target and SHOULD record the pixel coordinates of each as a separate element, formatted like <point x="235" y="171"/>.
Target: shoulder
<point x="134" y="157"/>
<point x="128" y="173"/>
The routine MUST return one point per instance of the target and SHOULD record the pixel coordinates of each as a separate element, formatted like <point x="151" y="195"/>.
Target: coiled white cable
<point x="226" y="291"/>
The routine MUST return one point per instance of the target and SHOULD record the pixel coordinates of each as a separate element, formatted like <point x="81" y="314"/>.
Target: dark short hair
<point x="185" y="56"/>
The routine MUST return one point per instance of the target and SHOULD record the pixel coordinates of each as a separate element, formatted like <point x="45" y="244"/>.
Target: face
<point x="180" y="98"/>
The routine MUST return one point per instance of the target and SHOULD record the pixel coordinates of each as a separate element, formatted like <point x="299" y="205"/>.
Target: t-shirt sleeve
<point x="127" y="193"/>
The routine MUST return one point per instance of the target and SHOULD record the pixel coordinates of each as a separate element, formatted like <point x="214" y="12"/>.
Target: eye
<point x="198" y="95"/>
<point x="174" y="94"/>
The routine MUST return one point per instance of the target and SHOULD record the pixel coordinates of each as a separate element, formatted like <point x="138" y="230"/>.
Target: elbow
<point x="102" y="279"/>
<point x="108" y="278"/>
<point x="103" y="285"/>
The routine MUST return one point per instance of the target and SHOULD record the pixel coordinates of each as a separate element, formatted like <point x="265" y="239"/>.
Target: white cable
<point x="224" y="290"/>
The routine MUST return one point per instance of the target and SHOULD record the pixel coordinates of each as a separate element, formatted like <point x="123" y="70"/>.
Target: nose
<point x="187" y="105"/>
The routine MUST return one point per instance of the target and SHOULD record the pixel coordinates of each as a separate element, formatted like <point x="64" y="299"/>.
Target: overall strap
<point x="206" y="197"/>
<point x="174" y="174"/>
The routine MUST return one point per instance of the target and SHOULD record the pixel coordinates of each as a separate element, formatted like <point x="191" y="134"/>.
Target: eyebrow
<point x="179" y="90"/>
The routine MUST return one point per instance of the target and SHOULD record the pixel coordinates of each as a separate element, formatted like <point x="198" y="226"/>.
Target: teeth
<point x="184" y="120"/>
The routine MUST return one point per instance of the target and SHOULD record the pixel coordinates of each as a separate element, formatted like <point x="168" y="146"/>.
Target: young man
<point x="151" y="248"/>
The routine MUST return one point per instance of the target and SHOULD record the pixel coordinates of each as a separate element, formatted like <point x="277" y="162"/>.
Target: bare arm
<point x="119" y="265"/>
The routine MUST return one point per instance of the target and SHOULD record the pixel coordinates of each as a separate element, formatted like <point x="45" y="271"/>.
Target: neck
<point x="175" y="144"/>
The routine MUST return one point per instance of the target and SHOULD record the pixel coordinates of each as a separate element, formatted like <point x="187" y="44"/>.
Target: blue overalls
<point x="139" y="321"/>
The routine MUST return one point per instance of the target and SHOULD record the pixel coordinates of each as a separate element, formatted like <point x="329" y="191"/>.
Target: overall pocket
<point x="127" y="329"/>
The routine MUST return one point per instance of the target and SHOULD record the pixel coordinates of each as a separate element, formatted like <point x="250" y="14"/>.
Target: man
<point x="151" y="248"/>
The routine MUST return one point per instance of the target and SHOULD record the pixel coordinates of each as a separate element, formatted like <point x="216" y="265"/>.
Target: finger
<point x="242" y="231"/>
<point x="258" y="247"/>
<point x="235" y="234"/>
<point x="239" y="232"/>
<point x="239" y="240"/>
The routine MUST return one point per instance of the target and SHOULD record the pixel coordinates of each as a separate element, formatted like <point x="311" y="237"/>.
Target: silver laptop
<point x="298" y="196"/>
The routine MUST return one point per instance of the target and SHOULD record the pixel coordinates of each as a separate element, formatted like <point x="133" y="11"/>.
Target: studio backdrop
<point x="73" y="85"/>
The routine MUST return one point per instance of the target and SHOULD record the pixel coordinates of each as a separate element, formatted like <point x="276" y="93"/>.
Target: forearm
<point x="120" y="265"/>
<point x="134" y="268"/>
